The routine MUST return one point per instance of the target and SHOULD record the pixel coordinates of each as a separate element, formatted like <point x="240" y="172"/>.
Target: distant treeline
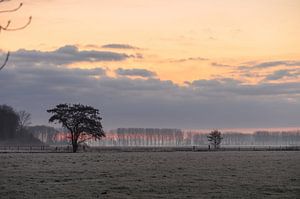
<point x="13" y="129"/>
<point x="177" y="137"/>
<point x="171" y="137"/>
<point x="285" y="138"/>
<point x="47" y="134"/>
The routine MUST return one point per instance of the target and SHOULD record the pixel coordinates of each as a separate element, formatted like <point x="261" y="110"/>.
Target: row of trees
<point x="153" y="137"/>
<point x="177" y="137"/>
<point x="84" y="123"/>
<point x="148" y="137"/>
<point x="14" y="126"/>
<point x="12" y="121"/>
<point x="46" y="134"/>
<point x="258" y="138"/>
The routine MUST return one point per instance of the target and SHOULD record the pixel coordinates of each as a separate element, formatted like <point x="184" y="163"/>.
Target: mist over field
<point x="155" y="137"/>
<point x="151" y="175"/>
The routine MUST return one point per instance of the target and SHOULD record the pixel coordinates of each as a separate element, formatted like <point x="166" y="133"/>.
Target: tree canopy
<point x="83" y="122"/>
<point x="9" y="121"/>
<point x="215" y="138"/>
<point x="13" y="131"/>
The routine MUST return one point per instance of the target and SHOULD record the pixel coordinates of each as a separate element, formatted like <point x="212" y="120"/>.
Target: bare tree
<point x="24" y="119"/>
<point x="215" y="138"/>
<point x="9" y="27"/>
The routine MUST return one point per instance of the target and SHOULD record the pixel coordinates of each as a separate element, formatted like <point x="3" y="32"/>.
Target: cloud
<point x="148" y="102"/>
<point x="89" y="72"/>
<point x="89" y="46"/>
<point x="269" y="64"/>
<point x="220" y="65"/>
<point x="277" y="63"/>
<point x="135" y="72"/>
<point x="137" y="85"/>
<point x="120" y="46"/>
<point x="215" y="82"/>
<point x="66" y="55"/>
<point x="228" y="87"/>
<point x="139" y="56"/>
<point x="252" y="69"/>
<point x="280" y="74"/>
<point x="190" y="59"/>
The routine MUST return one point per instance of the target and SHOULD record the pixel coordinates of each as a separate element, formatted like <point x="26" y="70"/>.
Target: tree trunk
<point x="75" y="146"/>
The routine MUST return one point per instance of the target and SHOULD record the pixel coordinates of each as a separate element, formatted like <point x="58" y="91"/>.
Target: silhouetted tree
<point x="7" y="27"/>
<point x="11" y="132"/>
<point x="8" y="122"/>
<point x="24" y="120"/>
<point x="83" y="122"/>
<point x="215" y="138"/>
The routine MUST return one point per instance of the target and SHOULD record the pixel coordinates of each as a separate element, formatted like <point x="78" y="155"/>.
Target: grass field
<point x="236" y="174"/>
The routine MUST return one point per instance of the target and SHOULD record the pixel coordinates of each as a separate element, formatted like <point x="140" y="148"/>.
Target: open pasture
<point x="225" y="174"/>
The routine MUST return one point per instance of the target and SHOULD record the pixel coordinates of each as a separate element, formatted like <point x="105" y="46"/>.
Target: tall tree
<point x="24" y="120"/>
<point x="215" y="138"/>
<point x="83" y="122"/>
<point x="8" y="122"/>
<point x="8" y="27"/>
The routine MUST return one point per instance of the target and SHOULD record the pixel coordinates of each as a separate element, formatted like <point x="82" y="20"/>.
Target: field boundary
<point x="68" y="149"/>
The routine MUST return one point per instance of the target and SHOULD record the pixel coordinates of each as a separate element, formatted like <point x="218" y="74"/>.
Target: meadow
<point x="224" y="174"/>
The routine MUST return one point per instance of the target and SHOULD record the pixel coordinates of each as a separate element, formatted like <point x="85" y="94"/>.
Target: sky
<point x="170" y="64"/>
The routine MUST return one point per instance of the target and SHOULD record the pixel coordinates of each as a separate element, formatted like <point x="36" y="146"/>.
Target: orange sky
<point x="227" y="32"/>
<point x="218" y="63"/>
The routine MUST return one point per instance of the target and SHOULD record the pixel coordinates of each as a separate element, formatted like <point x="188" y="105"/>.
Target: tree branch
<point x="6" y="28"/>
<point x="5" y="61"/>
<point x="3" y="0"/>
<point x="83" y="140"/>
<point x="12" y="10"/>
<point x="8" y="23"/>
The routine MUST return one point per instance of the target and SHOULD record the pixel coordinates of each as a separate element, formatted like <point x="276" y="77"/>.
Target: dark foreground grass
<point x="257" y="174"/>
